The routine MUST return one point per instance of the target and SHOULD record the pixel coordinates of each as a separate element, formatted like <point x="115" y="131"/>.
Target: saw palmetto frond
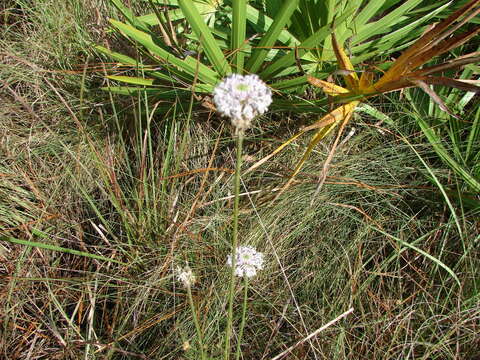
<point x="403" y="73"/>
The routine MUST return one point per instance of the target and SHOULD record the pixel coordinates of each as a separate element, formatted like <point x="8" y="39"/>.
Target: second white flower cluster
<point x="247" y="262"/>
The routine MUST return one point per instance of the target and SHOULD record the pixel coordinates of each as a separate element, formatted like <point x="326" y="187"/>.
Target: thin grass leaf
<point x="294" y="83"/>
<point x="422" y="252"/>
<point x="58" y="248"/>
<point x="134" y="90"/>
<point x="435" y="141"/>
<point x="132" y="80"/>
<point x="473" y="136"/>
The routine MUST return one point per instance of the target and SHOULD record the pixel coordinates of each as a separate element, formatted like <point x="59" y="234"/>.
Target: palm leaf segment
<point x="402" y="74"/>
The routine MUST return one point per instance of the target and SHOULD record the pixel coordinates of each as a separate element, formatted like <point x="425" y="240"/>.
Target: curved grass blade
<point x="435" y="141"/>
<point x="420" y="251"/>
<point x="58" y="248"/>
<point x="274" y="152"/>
<point x="132" y="80"/>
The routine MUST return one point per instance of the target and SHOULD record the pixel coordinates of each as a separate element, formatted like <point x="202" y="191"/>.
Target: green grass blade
<point x="439" y="185"/>
<point x="239" y="26"/>
<point x="377" y="114"/>
<point x="58" y="248"/>
<point x="269" y="39"/>
<point x="210" y="46"/>
<point x="435" y="141"/>
<point x="473" y="136"/>
<point x="295" y="82"/>
<point x="424" y="253"/>
<point x="118" y="56"/>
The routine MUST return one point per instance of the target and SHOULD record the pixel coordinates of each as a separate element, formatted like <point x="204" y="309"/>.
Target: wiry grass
<point x="100" y="175"/>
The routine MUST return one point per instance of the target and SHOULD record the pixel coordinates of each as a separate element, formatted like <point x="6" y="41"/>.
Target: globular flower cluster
<point x="241" y="98"/>
<point x="247" y="261"/>
<point x="186" y="276"/>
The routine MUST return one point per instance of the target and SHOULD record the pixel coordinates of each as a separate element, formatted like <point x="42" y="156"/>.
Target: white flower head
<point x="247" y="261"/>
<point x="186" y="276"/>
<point x="241" y="98"/>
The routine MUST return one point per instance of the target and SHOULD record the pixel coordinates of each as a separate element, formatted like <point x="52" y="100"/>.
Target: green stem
<point x="195" y="320"/>
<point x="244" y="312"/>
<point x="228" y="332"/>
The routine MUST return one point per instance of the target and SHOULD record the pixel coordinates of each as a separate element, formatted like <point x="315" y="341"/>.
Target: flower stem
<point x="228" y="332"/>
<point x="244" y="313"/>
<point x="197" y="324"/>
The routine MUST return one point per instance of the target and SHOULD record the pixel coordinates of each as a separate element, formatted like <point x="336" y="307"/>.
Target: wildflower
<point x="241" y="98"/>
<point x="186" y="276"/>
<point x="247" y="261"/>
